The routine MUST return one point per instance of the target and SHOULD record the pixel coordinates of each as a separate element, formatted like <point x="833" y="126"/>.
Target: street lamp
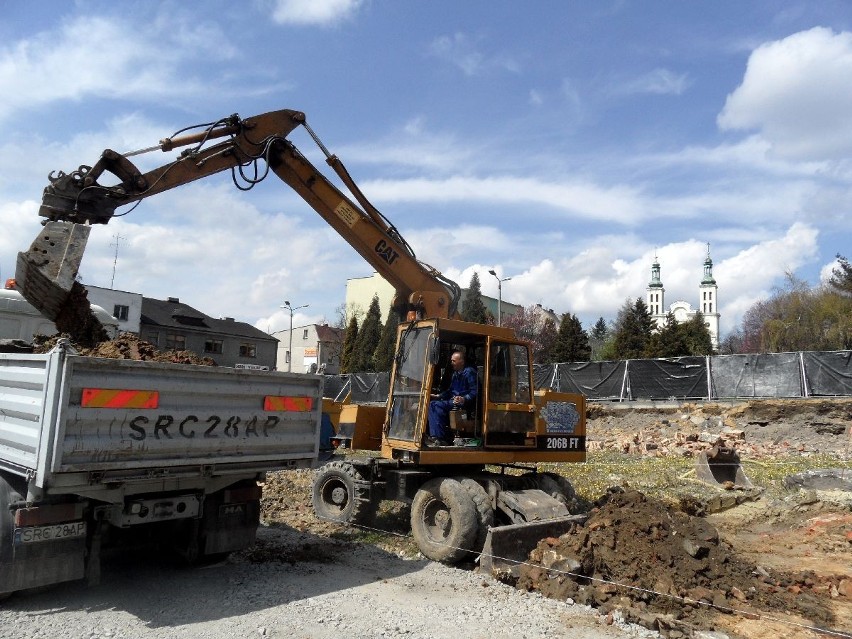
<point x="290" y="352"/>
<point x="499" y="295"/>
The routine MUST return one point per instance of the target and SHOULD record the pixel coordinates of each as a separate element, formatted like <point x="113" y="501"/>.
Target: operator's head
<point x="457" y="360"/>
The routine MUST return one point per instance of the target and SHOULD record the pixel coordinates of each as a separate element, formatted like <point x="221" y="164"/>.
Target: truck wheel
<point x="335" y="494"/>
<point x="444" y="520"/>
<point x="8" y="495"/>
<point x="557" y="487"/>
<point x="484" y="510"/>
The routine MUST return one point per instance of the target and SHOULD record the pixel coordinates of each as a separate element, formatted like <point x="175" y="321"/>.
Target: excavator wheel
<point x="557" y="487"/>
<point x="444" y="520"/>
<point x="336" y="494"/>
<point x="484" y="510"/>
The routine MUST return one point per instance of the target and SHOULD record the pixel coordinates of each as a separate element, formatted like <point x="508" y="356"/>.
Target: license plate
<point x="53" y="532"/>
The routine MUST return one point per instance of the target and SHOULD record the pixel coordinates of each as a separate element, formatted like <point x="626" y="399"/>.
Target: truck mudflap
<point x="507" y="547"/>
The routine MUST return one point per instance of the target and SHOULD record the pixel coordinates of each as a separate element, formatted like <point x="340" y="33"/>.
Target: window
<point x="175" y="342"/>
<point x="213" y="346"/>
<point x="287" y="357"/>
<point x="248" y="349"/>
<point x="152" y="337"/>
<point x="305" y="334"/>
<point x="120" y="312"/>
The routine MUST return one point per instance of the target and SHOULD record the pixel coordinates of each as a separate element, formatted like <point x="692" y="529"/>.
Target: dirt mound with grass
<point x="664" y="569"/>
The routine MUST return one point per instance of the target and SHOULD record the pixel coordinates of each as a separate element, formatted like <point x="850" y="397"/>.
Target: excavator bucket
<point x="720" y="466"/>
<point x="46" y="273"/>
<point x="507" y="547"/>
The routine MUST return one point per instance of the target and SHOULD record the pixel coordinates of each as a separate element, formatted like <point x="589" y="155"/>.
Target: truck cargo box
<point x="106" y="428"/>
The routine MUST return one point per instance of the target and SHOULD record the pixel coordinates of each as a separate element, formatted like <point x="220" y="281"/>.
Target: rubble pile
<point x="752" y="428"/>
<point x="666" y="570"/>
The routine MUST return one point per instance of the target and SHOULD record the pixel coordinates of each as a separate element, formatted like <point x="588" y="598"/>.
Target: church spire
<point x="655" y="274"/>
<point x="708" y="269"/>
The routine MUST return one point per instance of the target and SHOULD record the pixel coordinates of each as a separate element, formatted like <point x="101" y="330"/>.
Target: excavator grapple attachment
<point x="45" y="274"/>
<point x="507" y="547"/>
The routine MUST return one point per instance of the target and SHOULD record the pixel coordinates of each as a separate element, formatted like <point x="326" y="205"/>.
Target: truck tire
<point x="444" y="520"/>
<point x="8" y="495"/>
<point x="336" y="494"/>
<point x="484" y="510"/>
<point x="559" y="488"/>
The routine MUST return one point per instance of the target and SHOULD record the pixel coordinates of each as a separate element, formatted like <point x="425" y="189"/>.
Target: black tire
<point x="336" y="494"/>
<point x="559" y="488"/>
<point x="8" y="495"/>
<point x="484" y="510"/>
<point x="444" y="520"/>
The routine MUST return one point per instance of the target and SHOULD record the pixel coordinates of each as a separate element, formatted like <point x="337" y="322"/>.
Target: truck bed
<point x="108" y="427"/>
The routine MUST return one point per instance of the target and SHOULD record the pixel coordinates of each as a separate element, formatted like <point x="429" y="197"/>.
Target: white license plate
<point x="35" y="534"/>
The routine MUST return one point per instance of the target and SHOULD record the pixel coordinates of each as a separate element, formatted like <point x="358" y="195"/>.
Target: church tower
<point x="655" y="295"/>
<point x="707" y="293"/>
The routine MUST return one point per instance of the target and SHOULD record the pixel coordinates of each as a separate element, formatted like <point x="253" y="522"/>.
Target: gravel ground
<point x="295" y="584"/>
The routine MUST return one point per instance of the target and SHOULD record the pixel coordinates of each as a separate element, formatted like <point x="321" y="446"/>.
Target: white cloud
<point x="314" y="12"/>
<point x="620" y="204"/>
<point x="463" y="51"/>
<point x="796" y="92"/>
<point x="658" y="81"/>
<point x="106" y="58"/>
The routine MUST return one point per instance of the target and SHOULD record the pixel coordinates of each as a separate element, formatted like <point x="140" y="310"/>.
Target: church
<point x="655" y="298"/>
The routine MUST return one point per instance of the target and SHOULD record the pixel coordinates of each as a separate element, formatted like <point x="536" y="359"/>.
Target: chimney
<point x="173" y="300"/>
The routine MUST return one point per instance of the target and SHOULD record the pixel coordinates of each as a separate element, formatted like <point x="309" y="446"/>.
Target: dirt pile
<point x="76" y="319"/>
<point x="667" y="570"/>
<point x="125" y="346"/>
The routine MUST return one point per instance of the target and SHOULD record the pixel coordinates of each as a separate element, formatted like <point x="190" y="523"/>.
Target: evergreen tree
<point x="387" y="344"/>
<point x="572" y="342"/>
<point x="349" y="345"/>
<point x="697" y="336"/>
<point x="473" y="309"/>
<point x="543" y="353"/>
<point x="633" y="331"/>
<point x="841" y="277"/>
<point x="669" y="340"/>
<point x="363" y="353"/>
<point x="598" y="338"/>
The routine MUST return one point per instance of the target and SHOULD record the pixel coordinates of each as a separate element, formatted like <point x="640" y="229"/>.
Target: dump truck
<point x="463" y="497"/>
<point x="98" y="452"/>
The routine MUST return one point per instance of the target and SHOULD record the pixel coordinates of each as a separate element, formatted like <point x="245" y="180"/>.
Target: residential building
<point x="169" y="324"/>
<point x="125" y="307"/>
<point x="315" y="348"/>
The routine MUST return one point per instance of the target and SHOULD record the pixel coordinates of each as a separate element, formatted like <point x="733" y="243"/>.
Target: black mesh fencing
<point x="802" y="374"/>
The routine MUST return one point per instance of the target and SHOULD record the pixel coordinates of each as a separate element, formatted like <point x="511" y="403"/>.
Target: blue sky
<point x="564" y="144"/>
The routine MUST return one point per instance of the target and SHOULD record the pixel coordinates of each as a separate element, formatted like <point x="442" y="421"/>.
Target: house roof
<point x="171" y="313"/>
<point x="327" y="333"/>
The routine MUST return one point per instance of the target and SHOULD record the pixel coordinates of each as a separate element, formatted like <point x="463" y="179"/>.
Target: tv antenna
<point x="116" y="244"/>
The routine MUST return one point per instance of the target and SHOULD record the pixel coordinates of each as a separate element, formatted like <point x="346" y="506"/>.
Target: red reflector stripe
<point x="118" y="398"/>
<point x="296" y="404"/>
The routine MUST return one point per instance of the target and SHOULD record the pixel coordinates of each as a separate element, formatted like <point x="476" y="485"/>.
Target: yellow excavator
<point x="483" y="493"/>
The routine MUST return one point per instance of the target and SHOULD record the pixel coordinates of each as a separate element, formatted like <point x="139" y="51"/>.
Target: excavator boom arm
<point x="255" y="146"/>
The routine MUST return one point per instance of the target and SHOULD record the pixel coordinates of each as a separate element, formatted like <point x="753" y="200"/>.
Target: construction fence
<point x="714" y="377"/>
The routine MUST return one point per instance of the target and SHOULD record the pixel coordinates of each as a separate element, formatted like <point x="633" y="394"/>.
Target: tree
<point x="572" y="342"/>
<point x="473" y="309"/>
<point x="633" y="331"/>
<point x="363" y="353"/>
<point x="546" y="340"/>
<point x="598" y="337"/>
<point x="841" y="277"/>
<point x="349" y="345"/>
<point x="799" y="317"/>
<point x="697" y="336"/>
<point x="387" y="344"/>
